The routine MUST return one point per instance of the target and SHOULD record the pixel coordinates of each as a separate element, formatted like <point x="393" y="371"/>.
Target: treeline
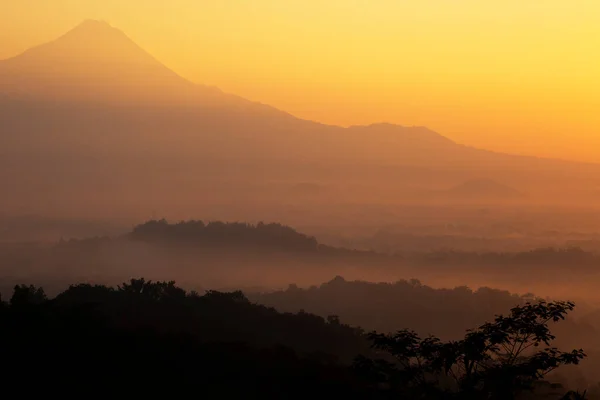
<point x="219" y="233"/>
<point x="146" y="338"/>
<point x="211" y="316"/>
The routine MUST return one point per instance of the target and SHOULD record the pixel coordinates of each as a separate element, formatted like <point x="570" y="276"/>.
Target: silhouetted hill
<point x="217" y="234"/>
<point x="362" y="303"/>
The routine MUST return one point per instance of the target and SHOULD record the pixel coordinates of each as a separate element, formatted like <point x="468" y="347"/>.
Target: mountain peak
<point x="91" y="41"/>
<point x="97" y="28"/>
<point x="94" y="23"/>
<point x="98" y="39"/>
<point x="92" y="59"/>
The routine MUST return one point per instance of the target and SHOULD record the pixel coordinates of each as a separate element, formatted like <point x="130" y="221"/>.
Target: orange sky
<point x="517" y="76"/>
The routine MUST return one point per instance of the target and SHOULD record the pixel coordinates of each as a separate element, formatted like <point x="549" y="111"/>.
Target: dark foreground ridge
<point x="221" y="345"/>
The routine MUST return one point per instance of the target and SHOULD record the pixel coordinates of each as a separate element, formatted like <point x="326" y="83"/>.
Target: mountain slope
<point x="98" y="64"/>
<point x="91" y="114"/>
<point x="95" y="62"/>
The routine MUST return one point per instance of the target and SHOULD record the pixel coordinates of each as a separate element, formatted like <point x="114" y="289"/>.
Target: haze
<point x="513" y="77"/>
<point x="209" y="189"/>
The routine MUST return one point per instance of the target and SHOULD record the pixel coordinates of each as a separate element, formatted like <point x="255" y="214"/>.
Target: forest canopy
<point x="227" y="345"/>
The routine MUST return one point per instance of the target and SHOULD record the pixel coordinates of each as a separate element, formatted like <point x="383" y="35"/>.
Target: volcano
<point x="92" y="116"/>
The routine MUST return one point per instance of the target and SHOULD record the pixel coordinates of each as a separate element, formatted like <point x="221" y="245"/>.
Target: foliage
<point x="145" y="337"/>
<point x="27" y="295"/>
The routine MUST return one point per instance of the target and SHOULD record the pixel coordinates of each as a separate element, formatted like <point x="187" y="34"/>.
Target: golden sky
<point x="515" y="75"/>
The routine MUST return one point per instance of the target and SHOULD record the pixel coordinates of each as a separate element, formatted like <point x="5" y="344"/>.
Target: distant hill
<point x="482" y="189"/>
<point x="111" y="127"/>
<point x="228" y="234"/>
<point x="360" y="303"/>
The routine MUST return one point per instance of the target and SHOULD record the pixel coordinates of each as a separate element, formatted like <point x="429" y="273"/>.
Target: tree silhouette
<point x="27" y="295"/>
<point x="498" y="360"/>
<point x="157" y="291"/>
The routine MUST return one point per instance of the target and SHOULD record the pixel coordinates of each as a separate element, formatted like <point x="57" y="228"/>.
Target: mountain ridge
<point x="101" y="32"/>
<point x="106" y="38"/>
<point x="120" y="125"/>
